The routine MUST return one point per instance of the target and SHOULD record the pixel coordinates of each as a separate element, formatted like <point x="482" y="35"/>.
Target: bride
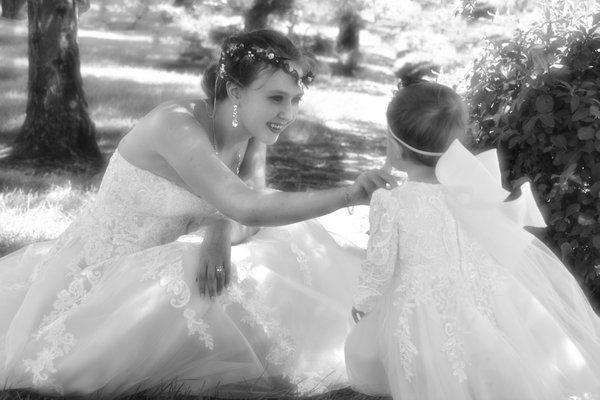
<point x="117" y="304"/>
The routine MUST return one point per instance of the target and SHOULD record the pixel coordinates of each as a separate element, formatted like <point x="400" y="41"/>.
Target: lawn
<point x="340" y="132"/>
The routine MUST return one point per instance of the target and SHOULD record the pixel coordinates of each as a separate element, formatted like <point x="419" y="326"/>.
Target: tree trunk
<point x="11" y="8"/>
<point x="257" y="16"/>
<point x="57" y="128"/>
<point x="347" y="41"/>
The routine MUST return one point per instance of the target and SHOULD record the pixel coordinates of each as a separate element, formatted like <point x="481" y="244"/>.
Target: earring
<point x="234" y="118"/>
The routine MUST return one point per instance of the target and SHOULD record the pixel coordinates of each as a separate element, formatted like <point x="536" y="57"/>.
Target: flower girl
<point x="456" y="300"/>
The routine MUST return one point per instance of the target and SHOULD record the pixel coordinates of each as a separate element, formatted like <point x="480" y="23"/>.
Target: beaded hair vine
<point x="237" y="51"/>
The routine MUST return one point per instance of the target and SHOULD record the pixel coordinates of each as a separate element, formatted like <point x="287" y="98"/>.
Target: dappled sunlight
<point x="115" y="36"/>
<point x="30" y="216"/>
<point x="15" y="95"/>
<point x="330" y="105"/>
<point x="574" y="356"/>
<point x="148" y="76"/>
<point x="15" y="121"/>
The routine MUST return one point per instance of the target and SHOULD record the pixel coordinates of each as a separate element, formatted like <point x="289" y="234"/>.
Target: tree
<point x="57" y="128"/>
<point x="11" y="9"/>
<point x="257" y="16"/>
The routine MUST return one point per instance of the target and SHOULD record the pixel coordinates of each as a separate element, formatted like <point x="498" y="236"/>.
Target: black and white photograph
<point x="300" y="200"/>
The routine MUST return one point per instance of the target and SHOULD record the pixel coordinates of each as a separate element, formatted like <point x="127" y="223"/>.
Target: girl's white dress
<point x="112" y="304"/>
<point x="462" y="303"/>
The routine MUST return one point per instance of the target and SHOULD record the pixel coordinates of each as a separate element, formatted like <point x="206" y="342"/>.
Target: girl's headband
<point x="423" y="152"/>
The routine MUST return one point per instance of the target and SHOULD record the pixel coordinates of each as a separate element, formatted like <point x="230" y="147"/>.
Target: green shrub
<point x="536" y="98"/>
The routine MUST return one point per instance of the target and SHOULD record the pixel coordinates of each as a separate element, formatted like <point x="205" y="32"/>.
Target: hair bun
<point x="410" y="79"/>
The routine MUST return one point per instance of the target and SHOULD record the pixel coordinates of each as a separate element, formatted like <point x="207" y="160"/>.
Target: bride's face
<point x="269" y="105"/>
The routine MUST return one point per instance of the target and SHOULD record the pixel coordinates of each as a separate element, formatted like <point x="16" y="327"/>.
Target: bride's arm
<point x="252" y="172"/>
<point x="188" y="150"/>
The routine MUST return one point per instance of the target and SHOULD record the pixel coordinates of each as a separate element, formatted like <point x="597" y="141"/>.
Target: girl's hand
<point x="367" y="182"/>
<point x="214" y="269"/>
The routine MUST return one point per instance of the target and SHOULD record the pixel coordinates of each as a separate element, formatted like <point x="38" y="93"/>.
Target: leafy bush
<point x="536" y="98"/>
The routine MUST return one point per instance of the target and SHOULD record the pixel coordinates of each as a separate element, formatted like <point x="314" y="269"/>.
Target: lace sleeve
<point x="382" y="250"/>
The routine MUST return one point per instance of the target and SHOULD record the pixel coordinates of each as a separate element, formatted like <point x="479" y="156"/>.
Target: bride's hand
<point x="215" y="260"/>
<point x="367" y="182"/>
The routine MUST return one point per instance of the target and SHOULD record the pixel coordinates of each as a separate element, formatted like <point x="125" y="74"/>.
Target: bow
<point x="474" y="182"/>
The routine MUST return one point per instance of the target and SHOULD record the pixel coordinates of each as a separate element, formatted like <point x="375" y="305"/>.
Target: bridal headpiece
<point x="235" y="52"/>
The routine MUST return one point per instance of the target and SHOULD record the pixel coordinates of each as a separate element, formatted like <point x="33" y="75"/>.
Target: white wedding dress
<point x="112" y="306"/>
<point x="462" y="303"/>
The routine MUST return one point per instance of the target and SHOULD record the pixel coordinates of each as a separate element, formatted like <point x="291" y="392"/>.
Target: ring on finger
<point x="220" y="269"/>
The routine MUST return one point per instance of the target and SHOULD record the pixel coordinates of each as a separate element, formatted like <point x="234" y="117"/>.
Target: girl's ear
<point x="234" y="92"/>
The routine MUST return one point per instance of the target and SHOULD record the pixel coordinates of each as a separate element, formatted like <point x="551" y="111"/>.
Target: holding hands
<point x="361" y="191"/>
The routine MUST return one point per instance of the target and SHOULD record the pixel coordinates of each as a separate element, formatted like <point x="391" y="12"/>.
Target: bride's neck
<point x="416" y="172"/>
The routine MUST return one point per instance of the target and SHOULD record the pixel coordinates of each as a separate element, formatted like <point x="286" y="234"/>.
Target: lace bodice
<point x="419" y="253"/>
<point x="133" y="210"/>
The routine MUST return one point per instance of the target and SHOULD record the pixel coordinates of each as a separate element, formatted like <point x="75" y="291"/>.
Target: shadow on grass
<point x="312" y="156"/>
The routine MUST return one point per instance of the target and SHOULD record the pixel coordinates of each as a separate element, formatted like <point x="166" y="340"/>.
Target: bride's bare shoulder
<point x="173" y="121"/>
<point x="174" y="110"/>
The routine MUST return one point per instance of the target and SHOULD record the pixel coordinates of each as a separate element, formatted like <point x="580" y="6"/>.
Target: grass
<point x="340" y="132"/>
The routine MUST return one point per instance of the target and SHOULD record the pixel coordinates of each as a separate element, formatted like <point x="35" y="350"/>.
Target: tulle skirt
<point x="138" y="321"/>
<point x="536" y="338"/>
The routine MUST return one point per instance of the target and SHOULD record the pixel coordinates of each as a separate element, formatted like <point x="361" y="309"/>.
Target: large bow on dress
<point x="476" y="196"/>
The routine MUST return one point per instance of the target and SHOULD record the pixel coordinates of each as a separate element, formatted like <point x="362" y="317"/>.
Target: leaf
<point x="555" y="217"/>
<point x="559" y="141"/>
<point x="574" y="103"/>
<point x="580" y="114"/>
<point x="585" y="220"/>
<point x="544" y="104"/>
<point x="595" y="111"/>
<point x="547" y="119"/>
<point x="537" y="56"/>
<point x="595" y="189"/>
<point x="528" y="127"/>
<point x="572" y="209"/>
<point x="565" y="250"/>
<point x="586" y="133"/>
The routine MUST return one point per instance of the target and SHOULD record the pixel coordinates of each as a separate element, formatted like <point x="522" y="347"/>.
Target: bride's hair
<point x="245" y="55"/>
<point x="426" y="116"/>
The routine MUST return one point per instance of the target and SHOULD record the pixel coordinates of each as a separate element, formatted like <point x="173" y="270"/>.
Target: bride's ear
<point x="234" y="92"/>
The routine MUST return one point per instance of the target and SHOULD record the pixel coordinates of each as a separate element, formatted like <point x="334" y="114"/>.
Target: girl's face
<point x="269" y="104"/>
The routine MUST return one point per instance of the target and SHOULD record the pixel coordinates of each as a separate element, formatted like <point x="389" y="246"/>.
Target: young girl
<point x="456" y="300"/>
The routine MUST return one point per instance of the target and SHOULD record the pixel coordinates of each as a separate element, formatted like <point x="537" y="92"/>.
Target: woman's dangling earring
<point x="234" y="119"/>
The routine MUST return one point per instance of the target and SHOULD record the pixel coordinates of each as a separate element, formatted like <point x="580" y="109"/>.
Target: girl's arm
<point x="382" y="252"/>
<point x="188" y="150"/>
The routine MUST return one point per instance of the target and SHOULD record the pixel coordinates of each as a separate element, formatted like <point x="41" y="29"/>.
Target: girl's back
<point x="446" y="320"/>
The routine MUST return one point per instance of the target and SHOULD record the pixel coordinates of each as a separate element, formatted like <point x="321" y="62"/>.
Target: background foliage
<point x="536" y="98"/>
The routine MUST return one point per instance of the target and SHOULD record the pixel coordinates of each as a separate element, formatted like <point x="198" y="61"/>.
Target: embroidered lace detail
<point x="378" y="267"/>
<point x="133" y="210"/>
<point x="282" y="351"/>
<point x="53" y="331"/>
<point x="167" y="268"/>
<point x="197" y="326"/>
<point x="302" y="263"/>
<point x="60" y="342"/>
<point x="417" y="247"/>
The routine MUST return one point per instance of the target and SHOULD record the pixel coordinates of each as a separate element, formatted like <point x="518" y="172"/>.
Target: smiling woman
<point x="123" y="300"/>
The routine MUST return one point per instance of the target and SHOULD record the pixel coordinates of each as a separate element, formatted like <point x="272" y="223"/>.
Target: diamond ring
<point x="220" y="269"/>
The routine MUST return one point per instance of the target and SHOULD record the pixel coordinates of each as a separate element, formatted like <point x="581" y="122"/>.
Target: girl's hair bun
<point x="410" y="79"/>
